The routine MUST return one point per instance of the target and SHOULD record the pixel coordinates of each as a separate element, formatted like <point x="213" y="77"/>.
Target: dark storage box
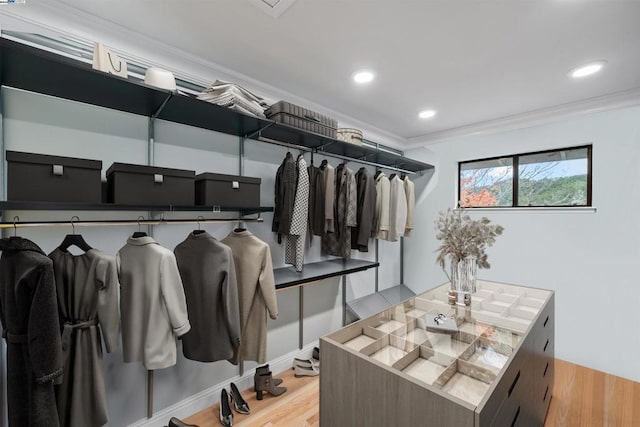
<point x="303" y="118"/>
<point x="149" y="185"/>
<point x="229" y="191"/>
<point x="43" y="178"/>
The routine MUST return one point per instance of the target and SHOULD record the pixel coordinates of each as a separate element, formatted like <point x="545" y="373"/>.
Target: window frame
<point x="515" y="159"/>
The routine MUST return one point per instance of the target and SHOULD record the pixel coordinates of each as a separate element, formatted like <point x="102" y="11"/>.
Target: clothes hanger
<point x="139" y="233"/>
<point x="74" y="239"/>
<point x="199" y="231"/>
<point x="378" y="172"/>
<point x="15" y="228"/>
<point x="240" y="227"/>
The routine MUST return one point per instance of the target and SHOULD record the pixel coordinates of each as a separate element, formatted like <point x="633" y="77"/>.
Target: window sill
<point x="525" y="209"/>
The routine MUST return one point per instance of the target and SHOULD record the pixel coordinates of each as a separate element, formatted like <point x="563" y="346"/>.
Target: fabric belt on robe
<point x="17" y="338"/>
<point x="67" y="332"/>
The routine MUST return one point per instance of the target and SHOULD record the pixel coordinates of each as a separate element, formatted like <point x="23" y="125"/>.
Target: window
<point x="547" y="178"/>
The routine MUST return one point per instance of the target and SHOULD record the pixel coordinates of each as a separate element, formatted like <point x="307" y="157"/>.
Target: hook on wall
<point x="73" y="227"/>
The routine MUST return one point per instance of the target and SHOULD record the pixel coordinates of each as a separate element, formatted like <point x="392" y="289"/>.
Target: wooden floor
<point x="582" y="397"/>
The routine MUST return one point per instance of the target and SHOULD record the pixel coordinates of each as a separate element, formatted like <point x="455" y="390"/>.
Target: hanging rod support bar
<point x="257" y="132"/>
<point x="155" y="115"/>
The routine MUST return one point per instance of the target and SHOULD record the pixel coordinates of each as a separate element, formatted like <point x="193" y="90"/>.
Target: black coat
<point x="29" y="314"/>
<point x="366" y="211"/>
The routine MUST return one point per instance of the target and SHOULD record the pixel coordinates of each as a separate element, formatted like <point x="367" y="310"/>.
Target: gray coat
<point x="366" y="207"/>
<point x="209" y="278"/>
<point x="87" y="287"/>
<point x="338" y="243"/>
<point x="29" y="315"/>
<point x="152" y="303"/>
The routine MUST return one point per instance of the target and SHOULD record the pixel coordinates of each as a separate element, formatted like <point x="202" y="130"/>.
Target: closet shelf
<point x="37" y="70"/>
<point x="60" y="206"/>
<point x="287" y="277"/>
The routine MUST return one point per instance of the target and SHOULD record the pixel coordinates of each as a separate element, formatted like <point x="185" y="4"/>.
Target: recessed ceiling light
<point x="363" y="76"/>
<point x="587" y="69"/>
<point x="427" y="114"/>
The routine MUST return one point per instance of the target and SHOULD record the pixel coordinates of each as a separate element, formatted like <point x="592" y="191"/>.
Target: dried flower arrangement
<point x="463" y="237"/>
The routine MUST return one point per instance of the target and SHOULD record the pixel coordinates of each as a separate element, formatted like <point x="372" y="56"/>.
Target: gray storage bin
<point x="302" y="118"/>
<point x="43" y="178"/>
<point x="229" y="191"/>
<point x="149" y="185"/>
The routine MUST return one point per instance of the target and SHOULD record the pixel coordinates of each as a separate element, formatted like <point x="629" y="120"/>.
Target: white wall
<point x="41" y="124"/>
<point x="589" y="259"/>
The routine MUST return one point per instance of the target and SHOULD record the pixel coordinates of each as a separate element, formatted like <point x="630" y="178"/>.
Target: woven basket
<point x="352" y="136"/>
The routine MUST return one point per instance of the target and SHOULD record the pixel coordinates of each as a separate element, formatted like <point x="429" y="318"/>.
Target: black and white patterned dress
<point x="294" y="252"/>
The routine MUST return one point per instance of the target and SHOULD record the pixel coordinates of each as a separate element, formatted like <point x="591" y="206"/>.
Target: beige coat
<point x="397" y="209"/>
<point x="409" y="191"/>
<point x="329" y="198"/>
<point x="381" y="218"/>
<point x="152" y="303"/>
<point x="256" y="292"/>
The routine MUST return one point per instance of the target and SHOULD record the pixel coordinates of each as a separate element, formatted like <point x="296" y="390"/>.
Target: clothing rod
<point x="25" y="224"/>
<point x="337" y="156"/>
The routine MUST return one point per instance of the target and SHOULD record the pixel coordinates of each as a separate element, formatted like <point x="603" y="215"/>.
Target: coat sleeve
<point x="108" y="314"/>
<point x="45" y="346"/>
<point x="173" y="294"/>
<point x="268" y="284"/>
<point x="409" y="189"/>
<point x="384" y="209"/>
<point x="231" y="303"/>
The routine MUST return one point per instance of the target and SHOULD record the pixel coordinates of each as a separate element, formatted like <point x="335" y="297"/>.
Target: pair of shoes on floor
<point x="263" y="381"/>
<point x="306" y="367"/>
<point x="316" y="354"/>
<point x="174" y="422"/>
<point x="240" y="405"/>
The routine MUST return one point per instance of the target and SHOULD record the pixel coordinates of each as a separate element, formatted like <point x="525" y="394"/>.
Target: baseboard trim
<point x="210" y="396"/>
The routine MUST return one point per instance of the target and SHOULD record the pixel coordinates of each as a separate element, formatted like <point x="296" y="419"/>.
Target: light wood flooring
<point x="582" y="397"/>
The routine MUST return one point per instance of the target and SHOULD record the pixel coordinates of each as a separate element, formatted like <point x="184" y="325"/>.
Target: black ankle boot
<point x="265" y="383"/>
<point x="263" y="370"/>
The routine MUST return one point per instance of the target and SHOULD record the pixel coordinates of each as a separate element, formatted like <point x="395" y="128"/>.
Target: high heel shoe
<point x="174" y="422"/>
<point x="226" y="417"/>
<point x="265" y="383"/>
<point x="239" y="403"/>
<point x="264" y="370"/>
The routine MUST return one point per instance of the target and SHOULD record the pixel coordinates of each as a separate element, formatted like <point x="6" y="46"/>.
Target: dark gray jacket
<point x="285" y="194"/>
<point x="29" y="315"/>
<point x="365" y="211"/>
<point x="208" y="275"/>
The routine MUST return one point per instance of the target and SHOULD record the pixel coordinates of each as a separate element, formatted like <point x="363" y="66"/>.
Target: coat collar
<point x="141" y="241"/>
<point x="20" y="244"/>
<point x="200" y="236"/>
<point x="244" y="233"/>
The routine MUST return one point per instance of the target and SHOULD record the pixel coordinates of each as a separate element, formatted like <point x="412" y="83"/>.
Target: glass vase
<point x="463" y="276"/>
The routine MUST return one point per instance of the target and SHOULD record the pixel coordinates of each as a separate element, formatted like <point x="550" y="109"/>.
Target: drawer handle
<point x="545" y="370"/>
<point x="546" y="321"/>
<point x="544" y="399"/>
<point x="546" y="345"/>
<point x="513" y="385"/>
<point x="515" y="418"/>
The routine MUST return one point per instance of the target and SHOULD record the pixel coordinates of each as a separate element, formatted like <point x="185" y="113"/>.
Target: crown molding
<point x="68" y="21"/>
<point x="597" y="104"/>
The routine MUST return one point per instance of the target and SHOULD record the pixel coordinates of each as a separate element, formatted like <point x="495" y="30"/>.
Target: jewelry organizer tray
<point x="463" y="363"/>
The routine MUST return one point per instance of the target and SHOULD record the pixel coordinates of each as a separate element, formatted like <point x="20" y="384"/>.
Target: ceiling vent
<point x="273" y="8"/>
